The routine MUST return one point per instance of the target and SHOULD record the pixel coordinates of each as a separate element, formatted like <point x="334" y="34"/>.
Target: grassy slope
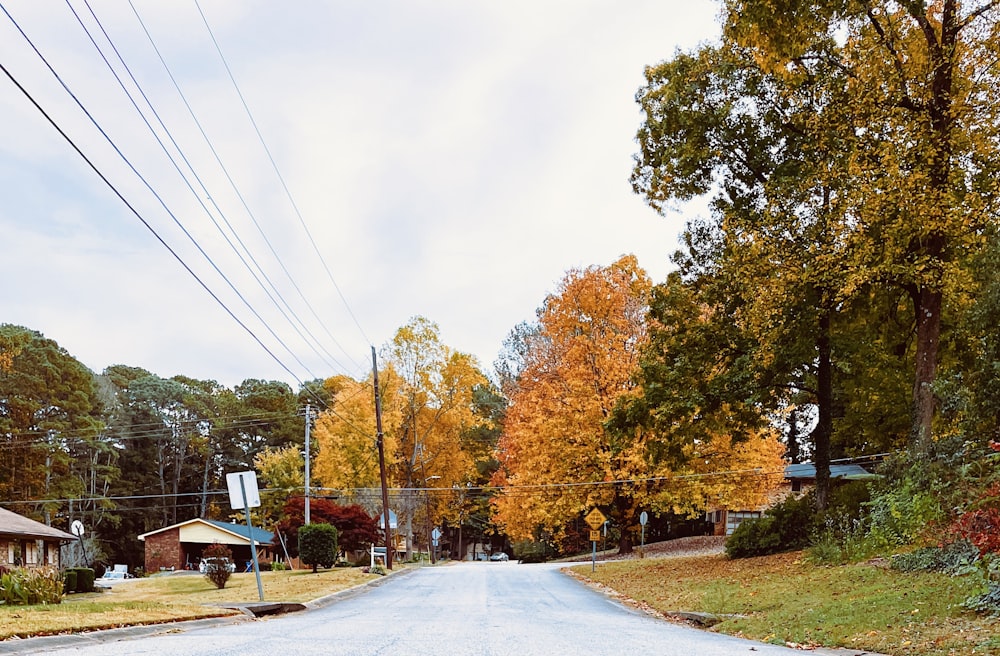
<point x="170" y="598"/>
<point x="783" y="599"/>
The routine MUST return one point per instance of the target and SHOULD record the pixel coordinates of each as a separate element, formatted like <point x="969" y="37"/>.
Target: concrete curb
<point x="350" y="593"/>
<point x="47" y="643"/>
<point x="83" y="639"/>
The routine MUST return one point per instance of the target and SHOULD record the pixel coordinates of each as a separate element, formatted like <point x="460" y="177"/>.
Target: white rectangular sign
<point x="249" y="487"/>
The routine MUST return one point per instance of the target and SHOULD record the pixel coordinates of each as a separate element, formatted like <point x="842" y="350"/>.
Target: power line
<point x="114" y="434"/>
<point x="274" y="164"/>
<point x="131" y="208"/>
<point x="484" y="490"/>
<point x="240" y="196"/>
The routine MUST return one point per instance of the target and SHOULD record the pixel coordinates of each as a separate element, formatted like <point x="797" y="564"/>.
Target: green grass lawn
<point x="782" y="599"/>
<point x="167" y="598"/>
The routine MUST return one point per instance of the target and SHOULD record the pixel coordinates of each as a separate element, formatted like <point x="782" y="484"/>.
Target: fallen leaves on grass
<point x="783" y="598"/>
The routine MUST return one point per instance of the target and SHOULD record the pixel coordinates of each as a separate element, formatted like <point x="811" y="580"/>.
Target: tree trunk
<point x="927" y="307"/>
<point x="626" y="519"/>
<point x="204" y="483"/>
<point x="824" y="402"/>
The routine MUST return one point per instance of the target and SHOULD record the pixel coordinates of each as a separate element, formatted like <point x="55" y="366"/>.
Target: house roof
<point x="18" y="526"/>
<point x="259" y="535"/>
<point x="807" y="470"/>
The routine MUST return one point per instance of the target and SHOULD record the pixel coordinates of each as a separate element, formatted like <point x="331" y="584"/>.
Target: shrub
<point x="981" y="527"/>
<point x="784" y="527"/>
<point x="987" y="602"/>
<point x="278" y="566"/>
<point x="85" y="577"/>
<point x="22" y="587"/>
<point x="955" y="558"/>
<point x="218" y="561"/>
<point x="849" y="500"/>
<point x="69" y="581"/>
<point x="530" y="551"/>
<point x="843" y="534"/>
<point x="841" y="539"/>
<point x="318" y="545"/>
<point x="901" y="515"/>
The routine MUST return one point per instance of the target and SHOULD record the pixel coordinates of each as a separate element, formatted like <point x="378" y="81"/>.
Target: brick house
<point x="27" y="543"/>
<point x="180" y="546"/>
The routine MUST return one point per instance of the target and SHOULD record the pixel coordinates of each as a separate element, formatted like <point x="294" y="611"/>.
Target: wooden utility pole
<point x="307" y="504"/>
<point x="381" y="465"/>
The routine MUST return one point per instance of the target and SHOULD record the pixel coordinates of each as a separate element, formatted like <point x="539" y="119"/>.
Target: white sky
<point x="451" y="159"/>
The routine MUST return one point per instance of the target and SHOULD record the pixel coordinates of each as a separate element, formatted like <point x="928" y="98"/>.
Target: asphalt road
<point x="474" y="609"/>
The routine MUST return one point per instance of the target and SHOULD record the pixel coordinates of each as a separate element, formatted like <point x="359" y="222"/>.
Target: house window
<point x="736" y="517"/>
<point x="796" y="485"/>
<point x="31" y="553"/>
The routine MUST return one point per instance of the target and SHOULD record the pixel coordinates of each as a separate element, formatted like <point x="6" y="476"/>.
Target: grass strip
<point x="169" y="598"/>
<point x="782" y="599"/>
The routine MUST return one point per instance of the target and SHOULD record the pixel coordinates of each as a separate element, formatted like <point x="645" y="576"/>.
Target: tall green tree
<point x="50" y="415"/>
<point x="772" y="157"/>
<point x="920" y="100"/>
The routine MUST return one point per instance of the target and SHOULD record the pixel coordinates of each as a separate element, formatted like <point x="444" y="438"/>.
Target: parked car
<point x="229" y="565"/>
<point x="110" y="578"/>
<point x="499" y="557"/>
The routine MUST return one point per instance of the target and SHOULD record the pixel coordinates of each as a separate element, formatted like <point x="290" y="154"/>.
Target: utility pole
<point x="308" y="418"/>
<point x="381" y="465"/>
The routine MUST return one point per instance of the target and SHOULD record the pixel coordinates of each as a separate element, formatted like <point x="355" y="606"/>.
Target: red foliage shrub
<point x="981" y="527"/>
<point x="356" y="529"/>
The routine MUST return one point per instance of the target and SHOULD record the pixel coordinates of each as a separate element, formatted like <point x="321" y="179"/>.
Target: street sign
<point x="595" y="518"/>
<point x="245" y="496"/>
<point x="595" y="535"/>
<point x="644" y="518"/>
<point x="436" y="534"/>
<point x="393" y="522"/>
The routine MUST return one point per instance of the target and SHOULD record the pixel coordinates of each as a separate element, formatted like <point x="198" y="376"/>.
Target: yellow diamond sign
<point x="595" y="518"/>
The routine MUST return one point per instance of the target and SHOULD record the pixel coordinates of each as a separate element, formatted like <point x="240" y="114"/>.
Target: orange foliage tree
<point x="558" y="459"/>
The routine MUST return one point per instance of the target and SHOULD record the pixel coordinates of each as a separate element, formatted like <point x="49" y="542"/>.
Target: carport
<point x="180" y="546"/>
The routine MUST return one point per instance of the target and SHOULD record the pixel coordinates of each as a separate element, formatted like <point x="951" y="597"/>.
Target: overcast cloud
<point x="450" y="159"/>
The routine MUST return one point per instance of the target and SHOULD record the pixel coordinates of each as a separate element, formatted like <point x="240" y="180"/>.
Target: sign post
<point x="77" y="529"/>
<point x="243" y="493"/>
<point x="595" y="519"/>
<point x="643" y="519"/>
<point x="435" y="541"/>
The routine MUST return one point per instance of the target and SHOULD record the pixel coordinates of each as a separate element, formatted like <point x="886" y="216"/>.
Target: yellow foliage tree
<point x="556" y="458"/>
<point x="283" y="472"/>
<point x="348" y="459"/>
<point x="435" y="407"/>
<point x="559" y="460"/>
<point x="428" y="407"/>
